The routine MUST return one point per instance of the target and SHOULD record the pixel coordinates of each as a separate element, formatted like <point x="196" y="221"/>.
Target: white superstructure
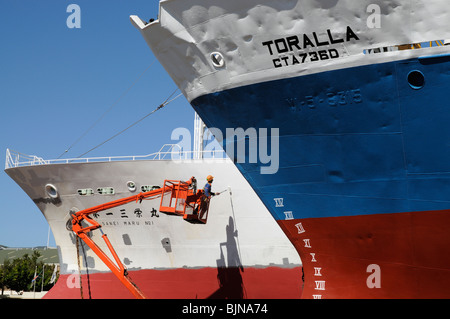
<point x="212" y="45"/>
<point x="240" y="231"/>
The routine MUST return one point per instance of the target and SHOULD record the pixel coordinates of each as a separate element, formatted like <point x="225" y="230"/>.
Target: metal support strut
<point x="177" y="191"/>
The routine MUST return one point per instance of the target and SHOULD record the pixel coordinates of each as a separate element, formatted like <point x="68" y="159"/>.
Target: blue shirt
<point x="207" y="189"/>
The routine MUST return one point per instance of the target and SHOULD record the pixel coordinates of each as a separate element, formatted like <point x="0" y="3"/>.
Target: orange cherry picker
<point x="177" y="198"/>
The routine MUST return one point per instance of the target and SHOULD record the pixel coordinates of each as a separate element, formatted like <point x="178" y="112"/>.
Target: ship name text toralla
<point x="316" y="46"/>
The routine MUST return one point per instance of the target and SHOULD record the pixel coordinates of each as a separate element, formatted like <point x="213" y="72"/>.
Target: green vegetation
<point x="18" y="274"/>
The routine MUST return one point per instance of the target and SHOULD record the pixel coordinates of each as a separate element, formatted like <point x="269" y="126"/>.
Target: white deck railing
<point x="167" y="152"/>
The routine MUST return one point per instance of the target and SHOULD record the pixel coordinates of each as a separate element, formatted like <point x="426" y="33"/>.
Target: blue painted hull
<point x="352" y="141"/>
<point x="367" y="141"/>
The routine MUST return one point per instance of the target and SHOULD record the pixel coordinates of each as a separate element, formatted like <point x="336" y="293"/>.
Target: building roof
<point x="48" y="255"/>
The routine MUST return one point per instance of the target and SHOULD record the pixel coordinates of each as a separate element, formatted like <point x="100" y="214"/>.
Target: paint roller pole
<point x="235" y="226"/>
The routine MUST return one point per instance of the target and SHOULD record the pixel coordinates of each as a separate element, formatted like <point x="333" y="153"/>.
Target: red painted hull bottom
<point x="204" y="283"/>
<point x="402" y="255"/>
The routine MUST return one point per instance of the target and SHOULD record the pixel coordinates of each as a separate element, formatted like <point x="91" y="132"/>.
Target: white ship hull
<point x="237" y="236"/>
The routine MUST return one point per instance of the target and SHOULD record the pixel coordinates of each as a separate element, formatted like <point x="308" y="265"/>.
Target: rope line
<point x="106" y="112"/>
<point x="167" y="101"/>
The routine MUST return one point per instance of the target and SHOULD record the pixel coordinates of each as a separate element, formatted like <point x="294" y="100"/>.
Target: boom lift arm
<point x="177" y="197"/>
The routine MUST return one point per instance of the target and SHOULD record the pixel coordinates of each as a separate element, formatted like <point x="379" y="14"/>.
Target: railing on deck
<point x="167" y="152"/>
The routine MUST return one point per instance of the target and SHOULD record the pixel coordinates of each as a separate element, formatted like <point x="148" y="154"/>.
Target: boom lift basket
<point x="178" y="198"/>
<point x="197" y="209"/>
<point x="173" y="197"/>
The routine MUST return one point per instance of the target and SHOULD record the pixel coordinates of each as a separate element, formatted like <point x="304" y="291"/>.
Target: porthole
<point x="105" y="190"/>
<point x="131" y="186"/>
<point x="86" y="192"/>
<point x="69" y="224"/>
<point x="51" y="190"/>
<point x="217" y="59"/>
<point x="148" y="188"/>
<point x="69" y="221"/>
<point x="416" y="79"/>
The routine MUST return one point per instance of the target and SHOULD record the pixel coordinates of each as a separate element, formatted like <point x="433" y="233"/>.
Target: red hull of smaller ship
<point x="203" y="283"/>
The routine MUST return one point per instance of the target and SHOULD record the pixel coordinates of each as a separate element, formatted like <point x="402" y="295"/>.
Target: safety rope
<point x="79" y="267"/>
<point x="87" y="270"/>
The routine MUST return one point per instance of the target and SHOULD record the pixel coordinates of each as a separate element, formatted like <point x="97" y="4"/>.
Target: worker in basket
<point x="207" y="189"/>
<point x="207" y="193"/>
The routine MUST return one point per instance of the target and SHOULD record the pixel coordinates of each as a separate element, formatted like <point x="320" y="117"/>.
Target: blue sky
<point x="56" y="82"/>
